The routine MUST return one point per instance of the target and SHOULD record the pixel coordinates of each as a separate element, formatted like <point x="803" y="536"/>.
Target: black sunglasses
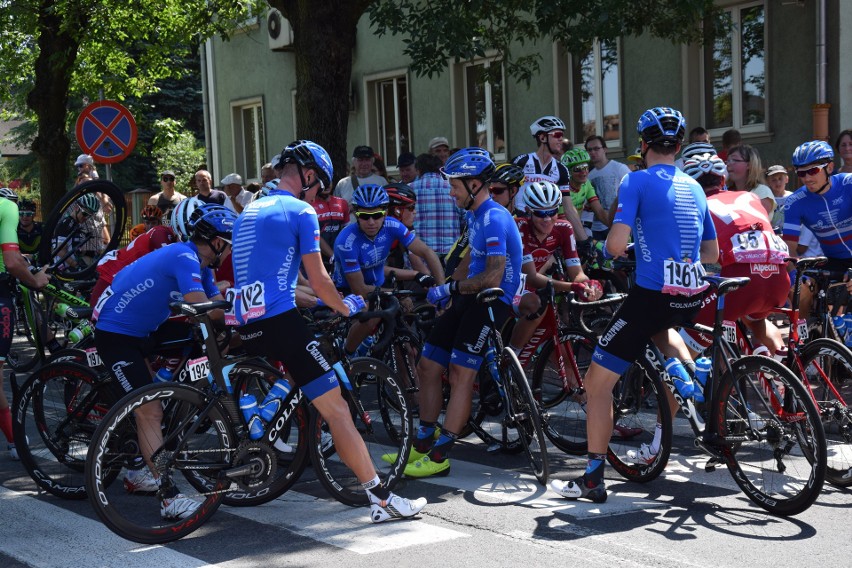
<point x="168" y="178"/>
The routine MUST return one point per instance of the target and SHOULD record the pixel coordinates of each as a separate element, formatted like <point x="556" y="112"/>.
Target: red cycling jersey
<point x="561" y="237"/>
<point x="333" y="215"/>
<point x="744" y="231"/>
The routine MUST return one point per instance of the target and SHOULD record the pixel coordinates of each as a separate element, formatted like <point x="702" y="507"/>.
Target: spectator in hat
<point x="776" y="179"/>
<point x="362" y="173"/>
<point x="206" y="193"/>
<point x="167" y="199"/>
<point x="85" y="164"/>
<point x="440" y="146"/>
<point x="238" y="197"/>
<point x="407" y="171"/>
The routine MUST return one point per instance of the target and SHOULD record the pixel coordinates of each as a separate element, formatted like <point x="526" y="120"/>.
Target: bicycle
<point x="762" y="422"/>
<point x="205" y="438"/>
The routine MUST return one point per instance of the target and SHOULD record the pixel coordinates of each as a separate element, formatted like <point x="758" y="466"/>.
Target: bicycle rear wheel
<point x="772" y="437"/>
<point x="198" y="438"/>
<point x="56" y="414"/>
<point x="386" y="429"/>
<point x="524" y="414"/>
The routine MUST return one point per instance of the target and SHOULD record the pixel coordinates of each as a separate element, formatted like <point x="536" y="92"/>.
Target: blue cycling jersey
<point x="828" y="215"/>
<point x="668" y="214"/>
<point x="137" y="301"/>
<point x="270" y="238"/>
<point x="354" y="251"/>
<point x="493" y="232"/>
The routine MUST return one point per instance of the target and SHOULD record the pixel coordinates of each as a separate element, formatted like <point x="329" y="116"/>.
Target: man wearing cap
<point x="238" y="197"/>
<point x="407" y="171"/>
<point x="167" y="199"/>
<point x="206" y="193"/>
<point x="362" y="166"/>
<point x="85" y="164"/>
<point x="440" y="146"/>
<point x="776" y="179"/>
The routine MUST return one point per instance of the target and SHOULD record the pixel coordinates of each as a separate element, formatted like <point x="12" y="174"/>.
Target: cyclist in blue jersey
<point x="361" y="253"/>
<point x="130" y="317"/>
<point x="667" y="213"/>
<point x="824" y="205"/>
<point x="271" y="238"/>
<point x="455" y="342"/>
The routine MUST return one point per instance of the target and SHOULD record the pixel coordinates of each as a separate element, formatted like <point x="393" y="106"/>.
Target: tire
<point x="563" y="416"/>
<point x="25" y="356"/>
<point x="639" y="402"/>
<point x="87" y="262"/>
<point x="489" y="415"/>
<point x="772" y="442"/>
<point x="385" y="435"/>
<point x="828" y="364"/>
<point x="56" y="414"/>
<point x="188" y="447"/>
<point x="525" y="415"/>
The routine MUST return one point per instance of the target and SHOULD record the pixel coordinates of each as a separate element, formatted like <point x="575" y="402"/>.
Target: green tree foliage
<point x="175" y="148"/>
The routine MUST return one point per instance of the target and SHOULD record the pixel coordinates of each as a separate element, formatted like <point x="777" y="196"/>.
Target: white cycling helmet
<point x="181" y="217"/>
<point x="546" y="124"/>
<point x="541" y="195"/>
<point x="705" y="164"/>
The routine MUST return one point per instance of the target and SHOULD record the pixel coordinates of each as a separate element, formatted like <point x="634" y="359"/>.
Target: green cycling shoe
<point x="413" y="456"/>
<point x="426" y="467"/>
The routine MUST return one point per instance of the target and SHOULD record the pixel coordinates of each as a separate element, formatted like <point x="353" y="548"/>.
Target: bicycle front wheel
<point x="26" y="354"/>
<point x="771" y="435"/>
<point x="386" y="430"/>
<point x="198" y="439"/>
<point x="524" y="414"/>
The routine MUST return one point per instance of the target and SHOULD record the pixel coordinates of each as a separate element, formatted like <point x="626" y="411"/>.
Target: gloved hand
<point x="439" y="296"/>
<point x="425" y="280"/>
<point x="587" y="291"/>
<point x="355" y="303"/>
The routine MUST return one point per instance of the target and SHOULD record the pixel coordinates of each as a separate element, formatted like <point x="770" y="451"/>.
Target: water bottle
<point x="703" y="367"/>
<point x="840" y="325"/>
<point x="491" y="361"/>
<point x="248" y="404"/>
<point x="83" y="330"/>
<point x="274" y="399"/>
<point x="163" y="375"/>
<point x="847" y="319"/>
<point x="364" y="349"/>
<point x="682" y="381"/>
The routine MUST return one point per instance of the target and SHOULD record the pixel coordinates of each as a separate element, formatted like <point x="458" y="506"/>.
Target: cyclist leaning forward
<point x="668" y="279"/>
<point x="456" y="341"/>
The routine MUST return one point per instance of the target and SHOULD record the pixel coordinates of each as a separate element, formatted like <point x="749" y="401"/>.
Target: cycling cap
<point x="705" y="164"/>
<point x="181" y="217"/>
<point x="811" y="152"/>
<point x="662" y="125"/>
<point x="510" y="174"/>
<point x="546" y="124"/>
<point x="152" y="211"/>
<point x="308" y="155"/>
<point x="575" y="157"/>
<point x="210" y="221"/>
<point x="89" y="203"/>
<point x="400" y="194"/>
<point x="469" y="163"/>
<point x="370" y="196"/>
<point x="541" y="195"/>
<point x="8" y="194"/>
<point x="696" y="149"/>
<point x="26" y="205"/>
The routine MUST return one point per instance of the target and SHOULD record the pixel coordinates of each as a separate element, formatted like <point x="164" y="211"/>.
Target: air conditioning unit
<point x="279" y="31"/>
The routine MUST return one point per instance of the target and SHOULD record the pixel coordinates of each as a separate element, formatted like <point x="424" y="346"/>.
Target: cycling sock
<point x="594" y="469"/>
<point x="658" y="438"/>
<point x="376" y="492"/>
<point x="6" y="424"/>
<point x="441" y="450"/>
<point x="425" y="438"/>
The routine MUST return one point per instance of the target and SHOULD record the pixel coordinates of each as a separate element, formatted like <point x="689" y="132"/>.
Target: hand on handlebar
<point x="425" y="280"/>
<point x="439" y="296"/>
<point x="587" y="291"/>
<point x="355" y="303"/>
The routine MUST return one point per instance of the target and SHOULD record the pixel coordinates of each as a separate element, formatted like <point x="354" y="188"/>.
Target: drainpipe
<point x="821" y="108"/>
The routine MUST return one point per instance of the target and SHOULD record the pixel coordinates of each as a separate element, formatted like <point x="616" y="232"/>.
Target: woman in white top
<point x="745" y="173"/>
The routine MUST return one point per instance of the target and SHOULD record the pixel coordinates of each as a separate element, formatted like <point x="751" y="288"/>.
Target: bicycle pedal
<point x="712" y="464"/>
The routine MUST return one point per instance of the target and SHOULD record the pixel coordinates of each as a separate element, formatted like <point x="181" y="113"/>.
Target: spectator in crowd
<point x="635" y="161"/>
<point x="777" y="178"/>
<point x="238" y="198"/>
<point x="745" y="173"/>
<point x="267" y="173"/>
<point x="29" y="231"/>
<point x="362" y="165"/>
<point x="253" y="188"/>
<point x="167" y="199"/>
<point x="437" y="220"/>
<point x="407" y="171"/>
<point x="844" y="150"/>
<point x="440" y="146"/>
<point x="697" y="134"/>
<point x="85" y="164"/>
<point x="379" y="167"/>
<point x="605" y="176"/>
<point x="730" y="138"/>
<point x="206" y="193"/>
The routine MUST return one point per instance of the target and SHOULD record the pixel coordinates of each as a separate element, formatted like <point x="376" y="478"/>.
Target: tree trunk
<point x="324" y="40"/>
<point x="49" y="101"/>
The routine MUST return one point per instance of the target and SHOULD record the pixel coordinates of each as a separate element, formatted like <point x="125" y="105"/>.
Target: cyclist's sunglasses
<point x="578" y="169"/>
<point x="498" y="190"/>
<point x="545" y="214"/>
<point x="810" y="171"/>
<point x="26" y="213"/>
<point x="371" y="214"/>
<point x="556" y="134"/>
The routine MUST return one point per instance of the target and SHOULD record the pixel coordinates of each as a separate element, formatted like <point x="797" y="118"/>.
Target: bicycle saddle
<point x="489" y="295"/>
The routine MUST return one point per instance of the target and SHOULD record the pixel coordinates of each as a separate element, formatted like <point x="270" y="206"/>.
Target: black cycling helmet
<point x="26" y="205"/>
<point x="510" y="174"/>
<point x="307" y="154"/>
<point x="400" y="194"/>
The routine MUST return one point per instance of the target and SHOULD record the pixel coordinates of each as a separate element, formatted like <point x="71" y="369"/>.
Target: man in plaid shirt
<point x="437" y="220"/>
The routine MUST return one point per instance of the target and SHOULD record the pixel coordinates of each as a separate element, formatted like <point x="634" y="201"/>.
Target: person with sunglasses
<point x="455" y="342"/>
<point x="822" y="204"/>
<point x="605" y="175"/>
<point x="580" y="190"/>
<point x="402" y="206"/>
<point x="505" y="184"/>
<point x="332" y="214"/>
<point x="85" y="165"/>
<point x="29" y="230"/>
<point x="167" y="198"/>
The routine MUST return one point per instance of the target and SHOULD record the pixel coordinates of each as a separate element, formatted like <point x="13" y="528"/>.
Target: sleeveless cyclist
<point x="667" y="212"/>
<point x="8" y="241"/>
<point x="354" y="251"/>
<point x="828" y="215"/>
<point x="493" y="232"/>
<point x="561" y="238"/>
<point x="137" y="301"/>
<point x="270" y="238"/>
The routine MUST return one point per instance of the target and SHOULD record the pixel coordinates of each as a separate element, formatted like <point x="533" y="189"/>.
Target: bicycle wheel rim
<point x="773" y="441"/>
<point x="525" y="415"/>
<point x="116" y="446"/>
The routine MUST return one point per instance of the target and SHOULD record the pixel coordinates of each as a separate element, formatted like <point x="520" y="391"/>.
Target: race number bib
<point x="252" y="301"/>
<point x="105" y="295"/>
<point x="802" y="327"/>
<point x="758" y="246"/>
<point x="232" y="296"/>
<point x="92" y="357"/>
<point x="683" y="278"/>
<point x="198" y="368"/>
<point x="729" y="331"/>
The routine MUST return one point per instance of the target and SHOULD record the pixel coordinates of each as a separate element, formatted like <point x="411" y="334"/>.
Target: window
<point x="599" y="92"/>
<point x="735" y="72"/>
<point x="249" y="138"/>
<point x="388" y="98"/>
<point x="484" y="103"/>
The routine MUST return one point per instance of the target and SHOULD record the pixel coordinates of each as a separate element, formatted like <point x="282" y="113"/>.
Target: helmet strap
<point x="306" y="187"/>
<point x="471" y="194"/>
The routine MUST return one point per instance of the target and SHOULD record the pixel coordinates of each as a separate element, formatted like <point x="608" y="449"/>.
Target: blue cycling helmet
<point x="307" y="154"/>
<point x="210" y="221"/>
<point x="812" y="152"/>
<point x="469" y="163"/>
<point x="662" y="126"/>
<point x="370" y="196"/>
